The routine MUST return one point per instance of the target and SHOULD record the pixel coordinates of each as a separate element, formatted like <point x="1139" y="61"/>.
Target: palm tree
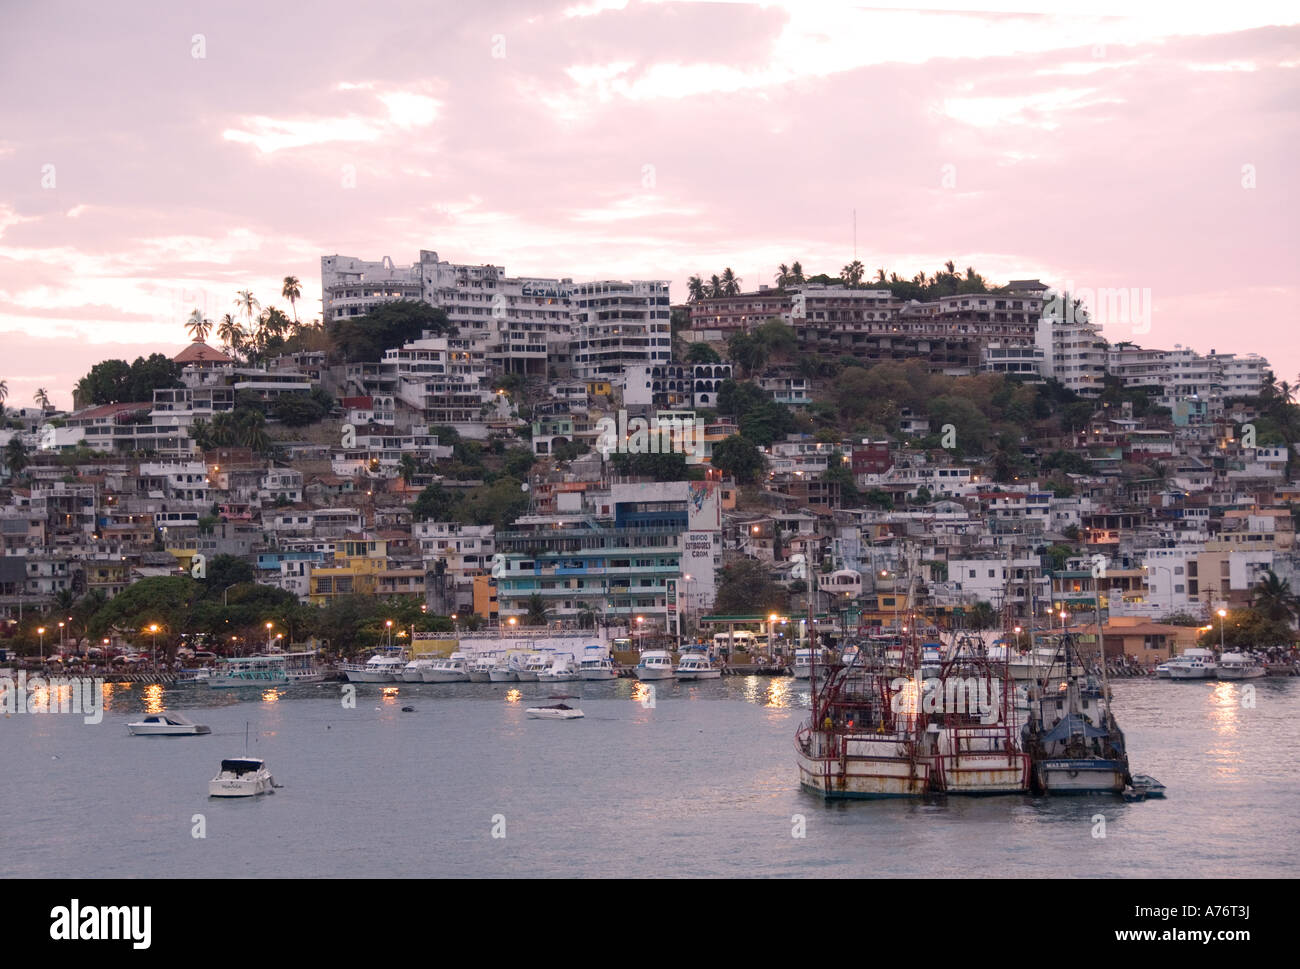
<point x="1273" y="597"/>
<point x="796" y="272"/>
<point x="880" y="274"/>
<point x="230" y="333"/>
<point x="247" y="304"/>
<point x="198" y="327"/>
<point x="292" y="292"/>
<point x="782" y="275"/>
<point x="715" y="285"/>
<point x="407" y="468"/>
<point x="42" y="397"/>
<point x="730" y="282"/>
<point x="4" y="390"/>
<point x="852" y="273"/>
<point x="696" y="287"/>
<point x="15" y="455"/>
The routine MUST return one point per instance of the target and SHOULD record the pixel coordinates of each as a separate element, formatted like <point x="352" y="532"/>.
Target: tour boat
<point x="383" y="667"/>
<point x="1239" y="666"/>
<point x="1193" y="664"/>
<point x="505" y="670"/>
<point x="530" y="666"/>
<point x="451" y="669"/>
<point x="258" y="671"/>
<point x="695" y="665"/>
<point x="656" y="664"/>
<point x="301" y="667"/>
<point x="242" y="777"/>
<point x="166" y="725"/>
<point x="596" y="664"/>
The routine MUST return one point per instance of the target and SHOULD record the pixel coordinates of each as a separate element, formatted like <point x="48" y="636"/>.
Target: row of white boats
<point x="524" y="665"/>
<point x="1202" y="664"/>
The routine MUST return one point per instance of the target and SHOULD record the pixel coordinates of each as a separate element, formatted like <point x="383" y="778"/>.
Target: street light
<point x="153" y="628"/>
<point x="41" y="631"/>
<point x="60" y="637"/>
<point x="1223" y="614"/>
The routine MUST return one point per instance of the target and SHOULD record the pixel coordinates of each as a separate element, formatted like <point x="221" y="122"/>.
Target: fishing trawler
<point x="859" y="742"/>
<point x="1076" y="744"/>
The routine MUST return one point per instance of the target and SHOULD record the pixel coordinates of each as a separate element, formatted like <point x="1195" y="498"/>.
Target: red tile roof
<point x="201" y="353"/>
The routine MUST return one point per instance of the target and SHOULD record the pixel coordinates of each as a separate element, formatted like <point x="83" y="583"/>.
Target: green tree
<point x="737" y="456"/>
<point x="386" y="326"/>
<point x="747" y="588"/>
<point x="292" y="291"/>
<point x="747" y="352"/>
<point x="702" y="353"/>
<point x="1273" y="599"/>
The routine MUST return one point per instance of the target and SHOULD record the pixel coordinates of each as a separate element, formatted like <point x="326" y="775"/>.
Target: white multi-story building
<point x="617" y="325"/>
<point x="1074" y="352"/>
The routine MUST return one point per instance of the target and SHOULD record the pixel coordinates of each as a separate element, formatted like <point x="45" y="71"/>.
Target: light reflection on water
<point x="584" y="798"/>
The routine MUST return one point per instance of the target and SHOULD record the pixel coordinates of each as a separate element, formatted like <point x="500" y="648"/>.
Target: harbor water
<point x="700" y="782"/>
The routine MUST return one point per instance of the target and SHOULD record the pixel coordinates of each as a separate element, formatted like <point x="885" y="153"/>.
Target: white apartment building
<point x="617" y="325"/>
<point x="1074" y="352"/>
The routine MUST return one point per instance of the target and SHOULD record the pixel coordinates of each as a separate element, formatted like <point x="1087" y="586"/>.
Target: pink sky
<point x="638" y="140"/>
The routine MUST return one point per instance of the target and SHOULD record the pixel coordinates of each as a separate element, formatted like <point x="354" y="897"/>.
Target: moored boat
<point x="166" y="725"/>
<point x="242" y="777"/>
<point x="695" y="665"/>
<point x="1239" y="666"/>
<point x="655" y="664"/>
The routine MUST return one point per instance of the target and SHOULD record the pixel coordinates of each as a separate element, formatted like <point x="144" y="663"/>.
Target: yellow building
<point x="357" y="566"/>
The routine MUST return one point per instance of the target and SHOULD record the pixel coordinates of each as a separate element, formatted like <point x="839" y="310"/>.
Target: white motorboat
<point x="450" y="669"/>
<point x="413" y="672"/>
<point x="596" y="664"/>
<point x="802" y="668"/>
<point x="1162" y="672"/>
<point x="563" y="669"/>
<point x="385" y="667"/>
<point x="530" y="666"/>
<point x="166" y="725"/>
<point x="1240" y="666"/>
<point x="695" y="665"/>
<point x="242" y="777"/>
<point x="505" y="669"/>
<point x="480" y="669"/>
<point x="1193" y="664"/>
<point x="656" y="664"/>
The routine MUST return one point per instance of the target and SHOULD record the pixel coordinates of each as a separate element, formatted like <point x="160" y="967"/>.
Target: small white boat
<point x="451" y="669"/>
<point x="563" y="669"/>
<point x="596" y="665"/>
<point x="695" y="665"/>
<point x="1193" y="664"/>
<point x="480" y="670"/>
<point x="504" y="670"/>
<point x="656" y="664"/>
<point x="242" y="777"/>
<point x="166" y="725"/>
<point x="556" y="711"/>
<point x="1240" y="666"/>
<point x="1163" y="673"/>
<point x="413" y="672"/>
<point x="531" y="666"/>
<point x="802" y="668"/>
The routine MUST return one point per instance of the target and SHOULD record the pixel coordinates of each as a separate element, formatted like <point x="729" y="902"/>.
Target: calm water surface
<point x="702" y="784"/>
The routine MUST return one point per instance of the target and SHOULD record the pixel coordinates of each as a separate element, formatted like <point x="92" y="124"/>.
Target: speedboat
<point x="563" y="669"/>
<point x="596" y="665"/>
<point x="656" y="664"/>
<point x="555" y="711"/>
<point x="166" y="725"/>
<point x="1193" y="664"/>
<point x="451" y="669"/>
<point x="695" y="665"/>
<point x="242" y="777"/>
<point x="504" y="670"/>
<point x="1148" y="786"/>
<point x="1162" y="671"/>
<point x="1240" y="666"/>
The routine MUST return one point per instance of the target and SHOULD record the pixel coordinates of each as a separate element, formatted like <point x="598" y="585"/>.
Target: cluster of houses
<point x="114" y="493"/>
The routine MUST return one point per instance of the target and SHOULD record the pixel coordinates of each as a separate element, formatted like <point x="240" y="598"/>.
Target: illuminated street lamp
<point x="388" y="624"/>
<point x="60" y="637"/>
<point x="41" y="632"/>
<point x="1223" y="614"/>
<point x="153" y="628"/>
